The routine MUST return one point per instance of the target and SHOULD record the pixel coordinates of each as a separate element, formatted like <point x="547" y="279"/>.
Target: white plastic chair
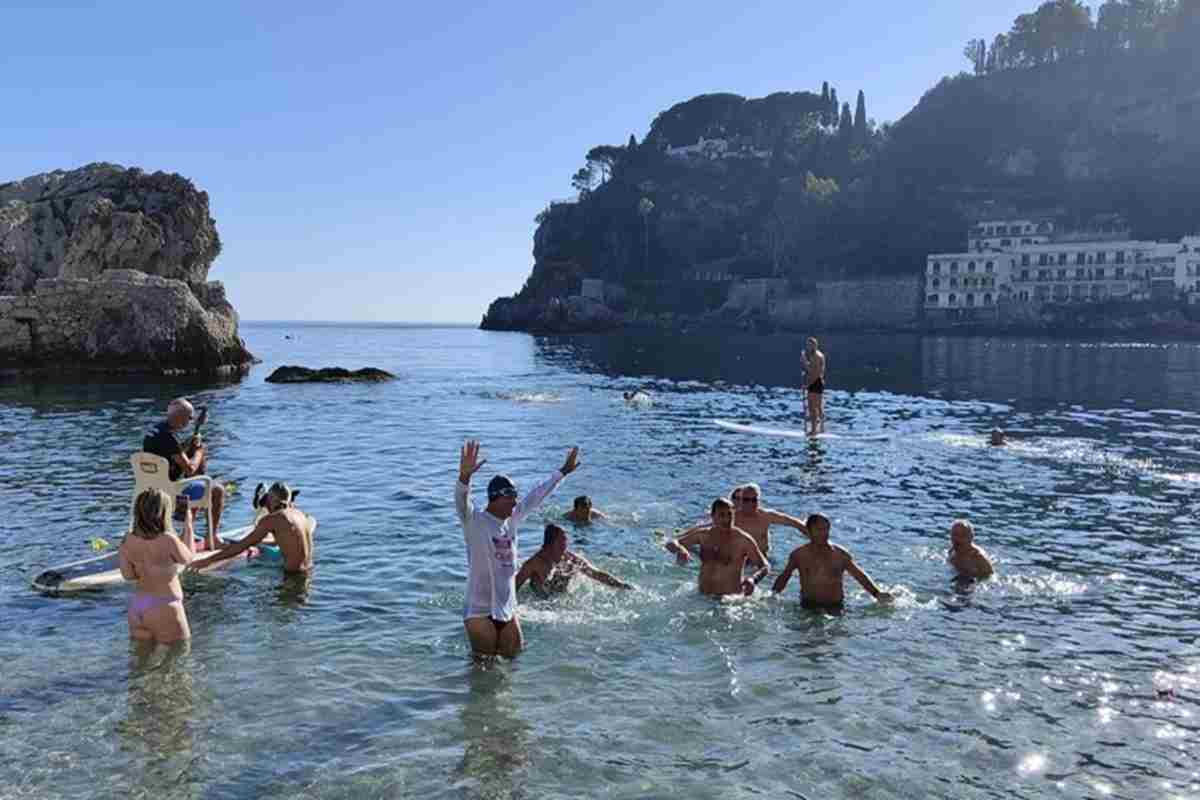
<point x="153" y="472"/>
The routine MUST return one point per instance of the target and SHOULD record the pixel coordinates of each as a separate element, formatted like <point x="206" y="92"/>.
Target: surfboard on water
<point x="104" y="571"/>
<point x="790" y="433"/>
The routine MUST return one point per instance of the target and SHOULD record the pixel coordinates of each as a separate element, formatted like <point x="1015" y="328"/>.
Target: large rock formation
<point x="107" y="267"/>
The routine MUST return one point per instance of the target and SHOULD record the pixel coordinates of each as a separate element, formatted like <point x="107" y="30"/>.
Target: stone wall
<point x="123" y="319"/>
<point x="885" y="302"/>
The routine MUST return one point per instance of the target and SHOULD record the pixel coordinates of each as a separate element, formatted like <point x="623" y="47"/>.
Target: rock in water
<point x="106" y="267"/>
<point x="292" y="374"/>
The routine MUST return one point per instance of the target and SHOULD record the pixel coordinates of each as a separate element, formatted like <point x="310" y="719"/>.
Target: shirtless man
<point x="813" y="361"/>
<point x="821" y="565"/>
<point x="724" y="553"/>
<point x="290" y="527"/>
<point x="582" y="513"/>
<point x="550" y="569"/>
<point x="968" y="559"/>
<point x="755" y="520"/>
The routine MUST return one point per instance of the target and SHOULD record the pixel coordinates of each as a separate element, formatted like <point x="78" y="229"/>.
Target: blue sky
<point x="385" y="161"/>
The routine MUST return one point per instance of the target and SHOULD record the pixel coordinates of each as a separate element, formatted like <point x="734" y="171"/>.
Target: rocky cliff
<point x="725" y="189"/>
<point x="106" y="267"/>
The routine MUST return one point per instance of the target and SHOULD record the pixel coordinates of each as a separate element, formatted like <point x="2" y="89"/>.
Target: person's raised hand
<point x="468" y="460"/>
<point x="572" y="462"/>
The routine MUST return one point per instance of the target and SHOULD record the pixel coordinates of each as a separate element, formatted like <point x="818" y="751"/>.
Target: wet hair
<point x="814" y="519"/>
<point x="581" y="501"/>
<point x="552" y="532"/>
<point x="720" y="502"/>
<point x="281" y="493"/>
<point x="757" y="489"/>
<point x="736" y="491"/>
<point x="151" y="514"/>
<point x="964" y="523"/>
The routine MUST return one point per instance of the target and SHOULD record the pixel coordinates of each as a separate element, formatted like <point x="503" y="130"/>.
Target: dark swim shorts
<point x="817" y="386"/>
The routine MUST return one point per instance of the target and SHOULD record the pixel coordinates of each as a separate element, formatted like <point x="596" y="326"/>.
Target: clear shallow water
<point x="1042" y="683"/>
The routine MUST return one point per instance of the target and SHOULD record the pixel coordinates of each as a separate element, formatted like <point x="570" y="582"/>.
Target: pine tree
<point x="846" y="123"/>
<point x="833" y="106"/>
<point x="860" y="119"/>
<point x="825" y="102"/>
<point x="632" y="143"/>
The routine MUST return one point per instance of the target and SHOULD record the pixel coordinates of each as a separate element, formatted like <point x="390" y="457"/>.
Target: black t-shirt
<point x="161" y="441"/>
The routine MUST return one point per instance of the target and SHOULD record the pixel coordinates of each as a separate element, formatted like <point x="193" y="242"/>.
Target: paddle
<point x="195" y="442"/>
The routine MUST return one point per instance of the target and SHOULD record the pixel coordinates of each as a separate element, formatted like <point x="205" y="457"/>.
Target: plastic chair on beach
<point x="153" y="472"/>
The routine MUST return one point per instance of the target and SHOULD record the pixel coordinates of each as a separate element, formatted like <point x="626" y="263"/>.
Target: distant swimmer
<point x="638" y="398"/>
<point x="997" y="438"/>
<point x="290" y="528"/>
<point x="821" y="565"/>
<point x="724" y="553"/>
<point x="968" y="559"/>
<point x="154" y="558"/>
<point x="582" y="513"/>
<point x="490" y="612"/>
<point x="813" y="361"/>
<point x="551" y="568"/>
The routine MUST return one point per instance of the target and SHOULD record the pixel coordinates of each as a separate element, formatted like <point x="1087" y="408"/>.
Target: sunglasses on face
<point x="510" y="493"/>
<point x="749" y="499"/>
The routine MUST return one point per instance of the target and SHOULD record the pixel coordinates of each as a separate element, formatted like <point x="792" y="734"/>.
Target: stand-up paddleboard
<point x="103" y="571"/>
<point x="788" y="433"/>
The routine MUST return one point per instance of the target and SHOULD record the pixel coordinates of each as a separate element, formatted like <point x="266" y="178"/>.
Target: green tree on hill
<point x="833" y="106"/>
<point x="860" y="120"/>
<point x="825" y="103"/>
<point x="845" y="124"/>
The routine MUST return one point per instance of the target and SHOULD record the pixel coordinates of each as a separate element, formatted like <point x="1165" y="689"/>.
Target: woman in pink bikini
<point x="153" y="556"/>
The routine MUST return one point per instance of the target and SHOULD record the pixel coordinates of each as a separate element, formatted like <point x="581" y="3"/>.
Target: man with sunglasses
<point x="750" y="516"/>
<point x="490" y="612"/>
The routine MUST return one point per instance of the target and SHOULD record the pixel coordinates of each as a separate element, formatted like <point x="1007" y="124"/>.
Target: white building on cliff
<point x="1030" y="262"/>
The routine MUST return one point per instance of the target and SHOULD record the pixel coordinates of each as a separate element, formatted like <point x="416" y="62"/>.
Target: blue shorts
<point x="270" y="552"/>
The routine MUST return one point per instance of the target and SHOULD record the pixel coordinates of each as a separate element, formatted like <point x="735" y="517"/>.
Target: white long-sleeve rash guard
<point x="492" y="551"/>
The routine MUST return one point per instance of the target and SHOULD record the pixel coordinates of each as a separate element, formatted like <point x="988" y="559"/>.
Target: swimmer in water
<point x="290" y="528"/>
<point x="582" y="513"/>
<point x="724" y="553"/>
<point x="821" y="565"/>
<point x="154" y="558"/>
<point x="755" y="520"/>
<point x="550" y="569"/>
<point x="968" y="559"/>
<point x="813" y="362"/>
<point x="997" y="438"/>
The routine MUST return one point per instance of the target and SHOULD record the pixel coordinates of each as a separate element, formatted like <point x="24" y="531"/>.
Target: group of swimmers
<point x="737" y="537"/>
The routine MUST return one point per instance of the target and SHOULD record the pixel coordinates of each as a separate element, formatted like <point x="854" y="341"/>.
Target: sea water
<point x="1074" y="673"/>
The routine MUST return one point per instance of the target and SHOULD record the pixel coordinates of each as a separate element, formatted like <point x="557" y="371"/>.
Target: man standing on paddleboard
<point x="490" y="612"/>
<point x="161" y="441"/>
<point x="813" y="361"/>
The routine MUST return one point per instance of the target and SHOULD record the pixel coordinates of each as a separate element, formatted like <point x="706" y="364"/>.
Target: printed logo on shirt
<point x="504" y="550"/>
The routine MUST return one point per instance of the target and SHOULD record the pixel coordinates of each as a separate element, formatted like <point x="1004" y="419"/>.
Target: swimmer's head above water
<point x="582" y="504"/>
<point x="962" y="533"/>
<point x="818" y="527"/>
<point x="554" y="541"/>
<point x="997" y="438"/>
<point x="722" y="513"/>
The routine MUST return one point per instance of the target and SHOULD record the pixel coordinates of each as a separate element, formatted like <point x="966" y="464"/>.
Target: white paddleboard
<point x="101" y="572"/>
<point x="789" y="433"/>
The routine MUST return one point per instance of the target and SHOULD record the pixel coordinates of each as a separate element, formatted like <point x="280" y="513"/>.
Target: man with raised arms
<point x="724" y="552"/>
<point x="551" y="568"/>
<point x="490" y="612"/>
<point x="813" y="361"/>
<point x="291" y="529"/>
<point x="821" y="565"/>
<point x="968" y="559"/>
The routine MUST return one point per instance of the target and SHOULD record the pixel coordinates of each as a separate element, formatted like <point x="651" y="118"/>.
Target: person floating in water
<point x="813" y="361"/>
<point x="490" y="612"/>
<point x="582" y="513"/>
<point x="821" y="566"/>
<point x="154" y="558"/>
<point x="291" y="529"/>
<point x="997" y="438"/>
<point x="968" y="559"/>
<point x="551" y="568"/>
<point x="724" y="553"/>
